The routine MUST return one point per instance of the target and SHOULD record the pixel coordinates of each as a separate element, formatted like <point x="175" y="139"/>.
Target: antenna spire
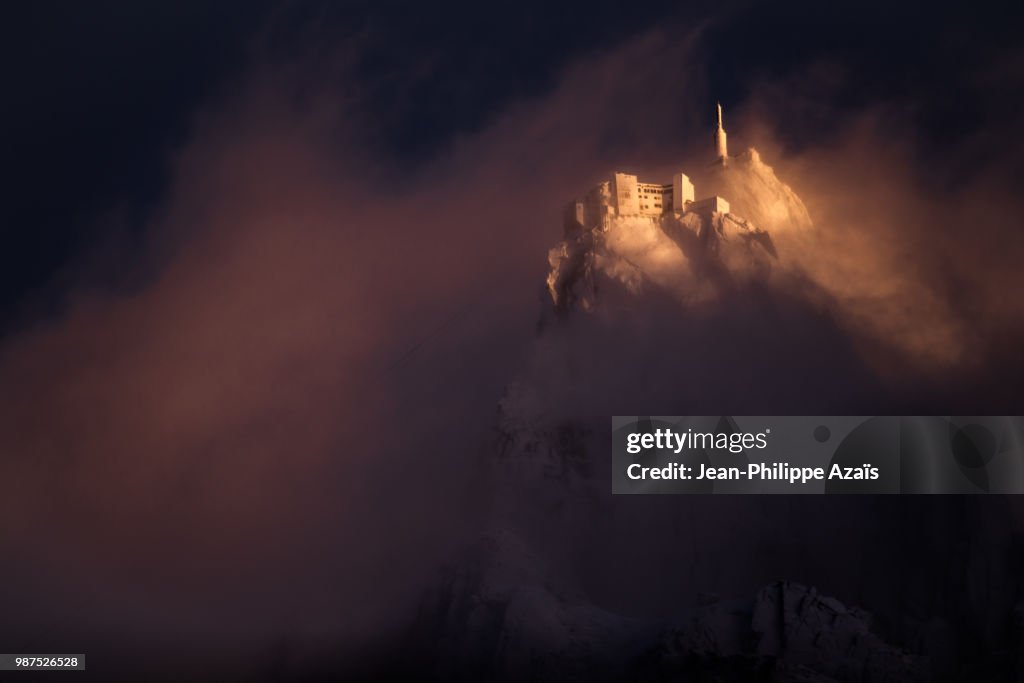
<point x="721" y="148"/>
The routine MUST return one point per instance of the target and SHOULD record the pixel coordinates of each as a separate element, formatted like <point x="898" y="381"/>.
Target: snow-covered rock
<point x="755" y="192"/>
<point x="692" y="256"/>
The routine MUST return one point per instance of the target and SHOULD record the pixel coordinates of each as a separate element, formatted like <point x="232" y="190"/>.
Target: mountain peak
<point x="635" y="235"/>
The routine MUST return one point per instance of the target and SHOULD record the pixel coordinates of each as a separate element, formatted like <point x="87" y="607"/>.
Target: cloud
<point x="275" y="427"/>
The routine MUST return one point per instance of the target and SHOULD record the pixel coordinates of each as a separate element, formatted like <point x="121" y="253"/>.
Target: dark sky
<point x="99" y="95"/>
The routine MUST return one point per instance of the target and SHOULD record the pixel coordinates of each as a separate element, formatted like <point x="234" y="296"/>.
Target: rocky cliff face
<point x="574" y="584"/>
<point x="498" y="616"/>
<point x="691" y="257"/>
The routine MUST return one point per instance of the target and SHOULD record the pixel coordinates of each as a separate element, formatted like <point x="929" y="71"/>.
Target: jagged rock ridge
<point x="501" y="617"/>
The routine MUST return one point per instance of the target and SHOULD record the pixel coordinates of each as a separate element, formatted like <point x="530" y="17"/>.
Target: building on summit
<point x="624" y="195"/>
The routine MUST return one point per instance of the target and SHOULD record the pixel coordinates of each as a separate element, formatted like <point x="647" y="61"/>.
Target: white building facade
<point x="624" y="195"/>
